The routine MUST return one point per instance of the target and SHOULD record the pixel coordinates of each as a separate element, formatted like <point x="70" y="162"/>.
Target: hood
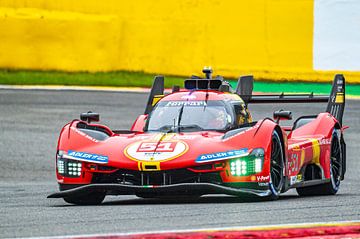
<point x="152" y="151"/>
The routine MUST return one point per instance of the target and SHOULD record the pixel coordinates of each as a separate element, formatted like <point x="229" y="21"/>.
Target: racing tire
<point x="94" y="198"/>
<point x="332" y="187"/>
<point x="276" y="167"/>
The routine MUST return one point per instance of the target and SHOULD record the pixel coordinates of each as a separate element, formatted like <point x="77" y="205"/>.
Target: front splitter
<point x="178" y="189"/>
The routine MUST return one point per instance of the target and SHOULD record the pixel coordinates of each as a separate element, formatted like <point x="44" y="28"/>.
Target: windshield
<point x="189" y="116"/>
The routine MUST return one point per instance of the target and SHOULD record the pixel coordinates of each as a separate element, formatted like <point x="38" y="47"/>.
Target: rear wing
<point x="336" y="99"/>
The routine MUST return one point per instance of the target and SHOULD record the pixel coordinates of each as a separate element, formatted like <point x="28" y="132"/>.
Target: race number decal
<point x="150" y="151"/>
<point x="157" y="147"/>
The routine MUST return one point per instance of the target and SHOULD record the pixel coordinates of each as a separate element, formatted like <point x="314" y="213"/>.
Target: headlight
<point x="68" y="167"/>
<point x="248" y="165"/>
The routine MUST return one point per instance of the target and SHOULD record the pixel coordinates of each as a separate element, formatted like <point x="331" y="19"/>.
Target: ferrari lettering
<point x="185" y="103"/>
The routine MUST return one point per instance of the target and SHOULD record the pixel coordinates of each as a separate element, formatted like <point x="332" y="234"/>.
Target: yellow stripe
<point x="316" y="151"/>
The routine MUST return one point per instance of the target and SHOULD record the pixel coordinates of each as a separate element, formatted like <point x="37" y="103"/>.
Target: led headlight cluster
<point x="68" y="168"/>
<point x="74" y="168"/>
<point x="248" y="165"/>
<point x="60" y="166"/>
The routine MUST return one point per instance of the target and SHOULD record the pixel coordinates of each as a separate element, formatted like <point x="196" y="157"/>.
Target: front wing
<point x="163" y="190"/>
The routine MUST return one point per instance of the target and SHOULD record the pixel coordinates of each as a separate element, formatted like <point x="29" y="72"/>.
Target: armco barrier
<point x="270" y="39"/>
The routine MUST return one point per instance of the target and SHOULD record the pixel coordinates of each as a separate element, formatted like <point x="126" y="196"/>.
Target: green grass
<point x="118" y="78"/>
<point x="139" y="79"/>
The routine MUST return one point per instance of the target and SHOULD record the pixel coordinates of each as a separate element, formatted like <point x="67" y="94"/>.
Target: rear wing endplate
<point x="157" y="89"/>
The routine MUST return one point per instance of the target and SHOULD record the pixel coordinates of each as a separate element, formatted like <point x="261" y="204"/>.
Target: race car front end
<point x="239" y="172"/>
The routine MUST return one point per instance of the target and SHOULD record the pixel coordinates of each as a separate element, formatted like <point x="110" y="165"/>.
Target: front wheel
<point x="332" y="187"/>
<point x="276" y="166"/>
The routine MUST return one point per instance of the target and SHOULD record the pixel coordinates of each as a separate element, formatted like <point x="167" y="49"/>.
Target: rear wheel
<point x="276" y="166"/>
<point x="331" y="187"/>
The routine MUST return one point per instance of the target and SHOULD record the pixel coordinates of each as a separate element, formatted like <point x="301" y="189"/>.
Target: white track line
<point x="75" y="88"/>
<point x="252" y="228"/>
<point x="100" y="88"/>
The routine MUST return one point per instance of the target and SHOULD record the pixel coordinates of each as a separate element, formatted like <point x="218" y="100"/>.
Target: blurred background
<point x="300" y="40"/>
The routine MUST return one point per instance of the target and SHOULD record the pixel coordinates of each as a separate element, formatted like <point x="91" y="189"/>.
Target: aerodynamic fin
<point x="157" y="89"/>
<point x="245" y="87"/>
<point x="336" y="103"/>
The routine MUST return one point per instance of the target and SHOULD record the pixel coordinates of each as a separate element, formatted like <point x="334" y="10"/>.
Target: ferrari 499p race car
<point x="202" y="140"/>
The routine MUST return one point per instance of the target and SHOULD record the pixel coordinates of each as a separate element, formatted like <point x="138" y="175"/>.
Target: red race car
<point x="202" y="140"/>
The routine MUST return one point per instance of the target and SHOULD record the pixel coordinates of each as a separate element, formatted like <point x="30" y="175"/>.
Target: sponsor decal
<point x="82" y="156"/>
<point x="262" y="178"/>
<point x="185" y="103"/>
<point x="222" y="155"/>
<point x="168" y="136"/>
<point x="141" y="137"/>
<point x="293" y="163"/>
<point x="188" y="137"/>
<point x="155" y="151"/>
<point x="242" y="132"/>
<point x="339" y="98"/>
<point x="263" y="184"/>
<point x="325" y="141"/>
<point x="190" y="97"/>
<point x="293" y="180"/>
<point x="85" y="135"/>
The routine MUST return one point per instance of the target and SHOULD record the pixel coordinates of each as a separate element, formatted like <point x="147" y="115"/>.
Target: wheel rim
<point x="276" y="169"/>
<point x="335" y="162"/>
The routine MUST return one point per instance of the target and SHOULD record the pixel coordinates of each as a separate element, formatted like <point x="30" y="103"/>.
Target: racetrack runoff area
<point x="31" y="123"/>
<point x="339" y="230"/>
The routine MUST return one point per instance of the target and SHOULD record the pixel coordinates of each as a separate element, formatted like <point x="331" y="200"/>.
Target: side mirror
<point x="90" y="117"/>
<point x="282" y="115"/>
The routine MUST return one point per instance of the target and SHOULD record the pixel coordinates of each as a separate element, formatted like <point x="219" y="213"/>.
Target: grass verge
<point x="139" y="79"/>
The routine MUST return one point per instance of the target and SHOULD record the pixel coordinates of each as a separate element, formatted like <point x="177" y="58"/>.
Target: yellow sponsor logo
<point x="156" y="99"/>
<point x="339" y="98"/>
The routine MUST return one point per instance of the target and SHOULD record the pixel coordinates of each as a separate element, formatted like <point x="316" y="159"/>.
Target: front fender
<point x="259" y="136"/>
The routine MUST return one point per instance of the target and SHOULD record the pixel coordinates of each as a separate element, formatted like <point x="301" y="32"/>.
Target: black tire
<point x="332" y="187"/>
<point x="276" y="166"/>
<point x="94" y="198"/>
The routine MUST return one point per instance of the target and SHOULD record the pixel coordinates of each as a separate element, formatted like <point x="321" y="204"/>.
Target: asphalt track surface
<point x="30" y="122"/>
